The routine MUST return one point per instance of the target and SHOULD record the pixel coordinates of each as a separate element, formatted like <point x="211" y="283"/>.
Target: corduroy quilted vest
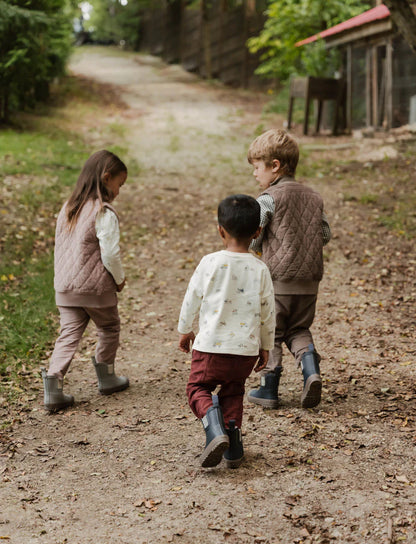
<point x="292" y="242"/>
<point x="78" y="265"/>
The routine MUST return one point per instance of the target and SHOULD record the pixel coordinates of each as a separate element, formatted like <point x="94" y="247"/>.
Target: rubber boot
<point x="312" y="381"/>
<point x="54" y="398"/>
<point x="235" y="453"/>
<point x="217" y="440"/>
<point x="108" y="382"/>
<point x="267" y="394"/>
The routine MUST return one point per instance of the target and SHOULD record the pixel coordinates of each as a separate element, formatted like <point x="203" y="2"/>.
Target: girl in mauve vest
<point x="88" y="275"/>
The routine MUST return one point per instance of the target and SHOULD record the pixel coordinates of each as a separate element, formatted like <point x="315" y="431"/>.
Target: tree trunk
<point x="405" y="20"/>
<point x="206" y="37"/>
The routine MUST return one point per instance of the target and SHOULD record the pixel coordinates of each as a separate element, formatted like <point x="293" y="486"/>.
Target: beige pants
<point x="294" y="316"/>
<point x="74" y="321"/>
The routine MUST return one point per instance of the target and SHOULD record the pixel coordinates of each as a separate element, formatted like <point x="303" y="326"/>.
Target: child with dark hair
<point x="232" y="293"/>
<point x="88" y="275"/>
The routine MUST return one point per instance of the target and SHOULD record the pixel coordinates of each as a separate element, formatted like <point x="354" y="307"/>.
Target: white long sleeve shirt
<point x="108" y="234"/>
<point x="233" y="295"/>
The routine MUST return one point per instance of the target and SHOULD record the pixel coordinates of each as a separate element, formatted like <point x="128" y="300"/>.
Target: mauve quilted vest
<point x="78" y="265"/>
<point x="292" y="243"/>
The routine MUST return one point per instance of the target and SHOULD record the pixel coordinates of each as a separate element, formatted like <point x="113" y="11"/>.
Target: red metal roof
<point x="374" y="14"/>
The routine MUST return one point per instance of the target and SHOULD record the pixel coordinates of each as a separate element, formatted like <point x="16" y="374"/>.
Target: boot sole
<point x="233" y="463"/>
<point x="311" y="395"/>
<point x="114" y="389"/>
<point x="266" y="403"/>
<point x="212" y="454"/>
<point x="57" y="407"/>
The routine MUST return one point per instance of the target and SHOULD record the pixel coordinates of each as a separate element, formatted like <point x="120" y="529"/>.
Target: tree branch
<point x="405" y="20"/>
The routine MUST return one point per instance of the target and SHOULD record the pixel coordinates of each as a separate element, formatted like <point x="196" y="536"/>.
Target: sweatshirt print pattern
<point x="232" y="293"/>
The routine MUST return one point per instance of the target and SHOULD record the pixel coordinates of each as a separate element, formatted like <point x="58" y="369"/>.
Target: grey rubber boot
<point x="235" y="454"/>
<point x="217" y="440"/>
<point x="108" y="382"/>
<point x="54" y="398"/>
<point x="312" y="381"/>
<point x="267" y="394"/>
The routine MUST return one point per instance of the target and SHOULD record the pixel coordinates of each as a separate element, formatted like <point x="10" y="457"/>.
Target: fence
<point x="210" y="42"/>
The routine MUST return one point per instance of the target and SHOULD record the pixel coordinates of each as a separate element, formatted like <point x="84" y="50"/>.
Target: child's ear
<point x="275" y="165"/>
<point x="221" y="231"/>
<point x="106" y="177"/>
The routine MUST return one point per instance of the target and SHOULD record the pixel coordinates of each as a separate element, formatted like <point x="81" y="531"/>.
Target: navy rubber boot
<point x="235" y="454"/>
<point x="312" y="381"/>
<point x="217" y="440"/>
<point x="267" y="394"/>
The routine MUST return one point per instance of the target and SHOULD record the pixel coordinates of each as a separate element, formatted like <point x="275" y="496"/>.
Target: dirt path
<point x="125" y="469"/>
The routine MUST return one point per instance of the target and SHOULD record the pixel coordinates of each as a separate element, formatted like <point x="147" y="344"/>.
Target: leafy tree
<point x="114" y="21"/>
<point x="34" y="46"/>
<point x="290" y="21"/>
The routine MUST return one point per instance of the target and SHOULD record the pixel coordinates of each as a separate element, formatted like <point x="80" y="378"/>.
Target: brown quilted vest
<point x="292" y="242"/>
<point x="78" y="265"/>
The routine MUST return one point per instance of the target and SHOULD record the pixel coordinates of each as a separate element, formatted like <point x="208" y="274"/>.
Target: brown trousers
<point x="208" y="370"/>
<point x="294" y="317"/>
<point x="74" y="321"/>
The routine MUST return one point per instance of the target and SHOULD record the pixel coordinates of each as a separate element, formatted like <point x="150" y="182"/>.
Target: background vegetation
<point x="289" y="22"/>
<point x="34" y="47"/>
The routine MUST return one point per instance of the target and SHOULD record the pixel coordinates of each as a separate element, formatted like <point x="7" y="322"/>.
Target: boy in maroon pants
<point x="232" y="293"/>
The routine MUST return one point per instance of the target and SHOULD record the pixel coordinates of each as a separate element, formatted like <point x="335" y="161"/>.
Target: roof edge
<point x="369" y="16"/>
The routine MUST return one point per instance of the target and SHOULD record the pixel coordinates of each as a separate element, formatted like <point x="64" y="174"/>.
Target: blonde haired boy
<point x="294" y="231"/>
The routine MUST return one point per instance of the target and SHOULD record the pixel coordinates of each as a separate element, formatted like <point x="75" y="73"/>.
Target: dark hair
<point x="90" y="184"/>
<point x="239" y="215"/>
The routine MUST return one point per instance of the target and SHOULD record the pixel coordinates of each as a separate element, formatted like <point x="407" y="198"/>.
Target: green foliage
<point x="289" y="22"/>
<point x="115" y="21"/>
<point x="34" y="46"/>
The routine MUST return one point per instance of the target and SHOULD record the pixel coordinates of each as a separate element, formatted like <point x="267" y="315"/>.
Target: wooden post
<point x="307" y="103"/>
<point x="374" y="85"/>
<point x="182" y="31"/>
<point x="319" y="116"/>
<point x="368" y="88"/>
<point x="206" y="38"/>
<point x="289" y="115"/>
<point x="389" y="84"/>
<point x="349" y="89"/>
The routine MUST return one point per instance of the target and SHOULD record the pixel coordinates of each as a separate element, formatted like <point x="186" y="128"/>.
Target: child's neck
<point x="236" y="246"/>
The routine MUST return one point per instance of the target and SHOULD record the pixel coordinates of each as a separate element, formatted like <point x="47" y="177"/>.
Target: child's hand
<point x="263" y="360"/>
<point x="185" y="341"/>
<point x="121" y="286"/>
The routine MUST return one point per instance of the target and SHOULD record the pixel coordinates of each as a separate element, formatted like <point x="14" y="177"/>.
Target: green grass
<point x="368" y="198"/>
<point x="37" y="168"/>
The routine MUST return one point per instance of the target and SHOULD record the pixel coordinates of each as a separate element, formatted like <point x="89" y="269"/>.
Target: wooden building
<point x="379" y="69"/>
<point x="208" y="38"/>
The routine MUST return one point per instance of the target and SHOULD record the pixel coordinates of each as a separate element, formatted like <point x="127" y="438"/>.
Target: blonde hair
<point x="275" y="144"/>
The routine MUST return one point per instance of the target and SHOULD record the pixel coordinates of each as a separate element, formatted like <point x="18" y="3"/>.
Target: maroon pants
<point x="208" y="370"/>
